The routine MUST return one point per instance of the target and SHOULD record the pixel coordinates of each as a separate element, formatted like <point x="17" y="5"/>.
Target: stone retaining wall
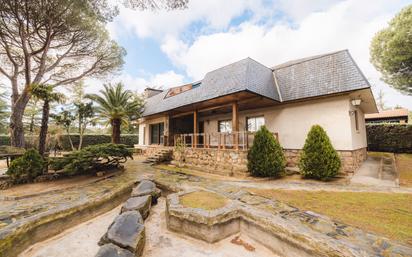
<point x="234" y="162"/>
<point x="351" y="160"/>
<point x="218" y="161"/>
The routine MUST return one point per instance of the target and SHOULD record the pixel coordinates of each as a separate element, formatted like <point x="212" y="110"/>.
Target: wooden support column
<point x="195" y="128"/>
<point x="235" y="125"/>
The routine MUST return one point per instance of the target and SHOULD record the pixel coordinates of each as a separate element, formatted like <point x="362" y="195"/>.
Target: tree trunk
<point x="16" y="124"/>
<point x="81" y="132"/>
<point x="44" y="127"/>
<point x="70" y="139"/>
<point x="31" y="127"/>
<point x="116" y="131"/>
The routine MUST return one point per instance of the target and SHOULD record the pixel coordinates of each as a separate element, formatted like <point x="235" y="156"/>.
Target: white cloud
<point x="216" y="14"/>
<point x="160" y="80"/>
<point x="348" y="24"/>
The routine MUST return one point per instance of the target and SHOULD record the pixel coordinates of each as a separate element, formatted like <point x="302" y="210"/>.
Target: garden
<point x="50" y="155"/>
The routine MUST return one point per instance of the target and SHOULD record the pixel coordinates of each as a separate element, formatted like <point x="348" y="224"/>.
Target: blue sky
<point x="166" y="49"/>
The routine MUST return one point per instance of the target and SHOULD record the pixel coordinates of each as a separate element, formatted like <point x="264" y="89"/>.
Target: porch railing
<point x="233" y="140"/>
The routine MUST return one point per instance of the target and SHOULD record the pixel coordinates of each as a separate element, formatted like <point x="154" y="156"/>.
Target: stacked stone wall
<point x="234" y="162"/>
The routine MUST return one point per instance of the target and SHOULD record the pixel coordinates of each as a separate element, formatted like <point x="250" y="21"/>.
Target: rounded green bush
<point x="265" y="157"/>
<point x="319" y="160"/>
<point x="27" y="167"/>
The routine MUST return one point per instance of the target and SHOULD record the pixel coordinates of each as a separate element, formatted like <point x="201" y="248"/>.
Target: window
<point x="156" y="133"/>
<point x="254" y="123"/>
<point x="356" y="120"/>
<point x="224" y="126"/>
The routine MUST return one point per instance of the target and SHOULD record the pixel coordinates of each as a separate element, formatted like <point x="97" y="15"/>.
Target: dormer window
<point x="178" y="90"/>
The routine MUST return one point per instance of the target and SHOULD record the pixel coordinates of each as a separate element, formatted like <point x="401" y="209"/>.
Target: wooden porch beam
<point x="195" y="128"/>
<point x="235" y="124"/>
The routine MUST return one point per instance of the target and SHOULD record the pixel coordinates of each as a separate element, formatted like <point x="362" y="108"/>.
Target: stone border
<point x="18" y="236"/>
<point x="126" y="236"/>
<point x="13" y="198"/>
<point x="209" y="226"/>
<point x="284" y="229"/>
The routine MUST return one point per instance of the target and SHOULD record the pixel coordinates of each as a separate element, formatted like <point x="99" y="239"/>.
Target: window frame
<point x="229" y="121"/>
<point x="254" y="117"/>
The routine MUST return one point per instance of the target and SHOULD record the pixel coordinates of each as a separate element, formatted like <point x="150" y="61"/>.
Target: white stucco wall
<point x="144" y="129"/>
<point x="292" y="122"/>
<point x="358" y="136"/>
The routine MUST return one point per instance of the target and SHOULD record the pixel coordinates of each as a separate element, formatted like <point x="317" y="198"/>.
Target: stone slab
<point x="146" y="187"/>
<point x="111" y="250"/>
<point x="127" y="231"/>
<point x="141" y="204"/>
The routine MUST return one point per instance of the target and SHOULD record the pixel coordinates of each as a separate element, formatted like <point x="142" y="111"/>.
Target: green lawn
<point x="404" y="165"/>
<point x="203" y="200"/>
<point x="386" y="214"/>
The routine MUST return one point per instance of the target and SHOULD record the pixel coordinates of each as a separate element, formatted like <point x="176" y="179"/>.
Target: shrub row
<point x="318" y="160"/>
<point x="89" y="139"/>
<point x="389" y="137"/>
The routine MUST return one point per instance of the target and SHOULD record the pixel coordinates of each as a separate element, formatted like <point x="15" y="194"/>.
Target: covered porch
<point x="215" y="123"/>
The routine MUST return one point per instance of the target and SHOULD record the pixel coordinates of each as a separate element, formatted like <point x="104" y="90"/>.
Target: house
<point x="215" y="118"/>
<point x="388" y="116"/>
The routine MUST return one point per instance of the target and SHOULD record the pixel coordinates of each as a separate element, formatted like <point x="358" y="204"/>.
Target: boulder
<point x="147" y="187"/>
<point x="127" y="231"/>
<point x="141" y="204"/>
<point x="111" y="250"/>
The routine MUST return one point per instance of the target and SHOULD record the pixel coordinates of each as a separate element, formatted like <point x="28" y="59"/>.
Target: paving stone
<point x="147" y="187"/>
<point x="111" y="250"/>
<point x="141" y="204"/>
<point x="127" y="231"/>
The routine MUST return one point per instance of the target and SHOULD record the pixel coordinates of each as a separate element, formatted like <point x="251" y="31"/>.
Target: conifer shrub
<point x="266" y="157"/>
<point x="27" y="167"/>
<point x="92" y="158"/>
<point x="319" y="160"/>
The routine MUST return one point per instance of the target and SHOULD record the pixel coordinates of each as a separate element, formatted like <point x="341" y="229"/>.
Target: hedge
<point x="88" y="139"/>
<point x="389" y="137"/>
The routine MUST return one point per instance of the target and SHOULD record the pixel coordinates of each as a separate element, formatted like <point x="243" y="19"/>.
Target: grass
<point x="386" y="214"/>
<point x="404" y="165"/>
<point x="203" y="200"/>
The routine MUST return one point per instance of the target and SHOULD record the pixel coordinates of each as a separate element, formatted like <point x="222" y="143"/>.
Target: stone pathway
<point x="376" y="172"/>
<point x="80" y="240"/>
<point x="17" y="210"/>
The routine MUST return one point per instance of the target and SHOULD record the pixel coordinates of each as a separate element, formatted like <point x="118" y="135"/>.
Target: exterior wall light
<point x="356" y="102"/>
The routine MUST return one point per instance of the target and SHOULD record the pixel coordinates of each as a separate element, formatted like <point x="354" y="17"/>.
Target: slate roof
<point x="303" y="78"/>
<point x="246" y="74"/>
<point x="319" y="75"/>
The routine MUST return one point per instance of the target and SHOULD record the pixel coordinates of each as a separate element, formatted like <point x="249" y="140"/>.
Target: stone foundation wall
<point x="223" y="162"/>
<point x="151" y="150"/>
<point x="234" y="163"/>
<point x="351" y="160"/>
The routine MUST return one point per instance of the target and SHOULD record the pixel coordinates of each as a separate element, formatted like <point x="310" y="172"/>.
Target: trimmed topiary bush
<point x="265" y="157"/>
<point x="27" y="167"/>
<point x="319" y="160"/>
<point x="92" y="158"/>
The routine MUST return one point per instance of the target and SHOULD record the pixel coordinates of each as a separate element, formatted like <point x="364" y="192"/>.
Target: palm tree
<point x="45" y="93"/>
<point x="116" y="104"/>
